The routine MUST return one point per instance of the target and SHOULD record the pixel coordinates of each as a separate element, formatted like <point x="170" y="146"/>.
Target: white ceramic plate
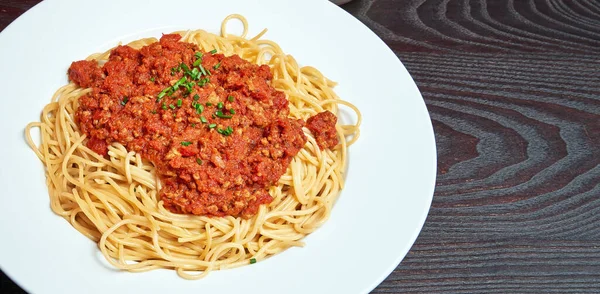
<point x="379" y="214"/>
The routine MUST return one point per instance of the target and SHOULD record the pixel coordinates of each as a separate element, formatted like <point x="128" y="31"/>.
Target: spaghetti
<point x="114" y="200"/>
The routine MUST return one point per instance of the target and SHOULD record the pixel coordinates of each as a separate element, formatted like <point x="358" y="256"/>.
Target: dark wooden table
<point x="512" y="89"/>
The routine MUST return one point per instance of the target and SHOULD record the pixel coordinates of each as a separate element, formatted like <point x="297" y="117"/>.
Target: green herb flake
<point x="185" y="68"/>
<point x="230" y="98"/>
<point x="186" y="143"/>
<point x="225" y="132"/>
<point x="220" y="114"/>
<point x="212" y="126"/>
<point x="202" y="69"/>
<point x="124" y="101"/>
<point x="213" y="51"/>
<point x="163" y="93"/>
<point x="203" y="119"/>
<point x="195" y="74"/>
<point x="203" y="82"/>
<point x="199" y="161"/>
<point x="252" y="260"/>
<point x="179" y="102"/>
<point x="217" y="65"/>
<point x="175" y="70"/>
<point x="188" y="88"/>
<point x="179" y="83"/>
<point x="199" y="108"/>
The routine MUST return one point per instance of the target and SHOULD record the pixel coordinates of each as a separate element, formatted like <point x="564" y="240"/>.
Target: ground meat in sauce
<point x="322" y="126"/>
<point x="216" y="159"/>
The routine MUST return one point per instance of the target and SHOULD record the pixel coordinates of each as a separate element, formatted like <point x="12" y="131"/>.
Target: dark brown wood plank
<point x="497" y="266"/>
<point x="478" y="25"/>
<point x="512" y="89"/>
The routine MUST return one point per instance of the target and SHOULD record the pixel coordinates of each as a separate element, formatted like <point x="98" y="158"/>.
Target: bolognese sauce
<point x="217" y="132"/>
<point x="322" y="126"/>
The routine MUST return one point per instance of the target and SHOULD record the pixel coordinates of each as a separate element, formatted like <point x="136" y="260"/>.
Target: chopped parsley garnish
<point x="152" y="79"/>
<point x="199" y="108"/>
<point x="203" y="82"/>
<point x="217" y="65"/>
<point x="193" y="125"/>
<point x="125" y="99"/>
<point x="172" y="106"/>
<point x="232" y="111"/>
<point x="188" y="87"/>
<point x="225" y="132"/>
<point x="213" y="51"/>
<point x="163" y="93"/>
<point x="221" y="115"/>
<point x="220" y="105"/>
<point x="198" y="160"/>
<point x="203" y="119"/>
<point x="179" y="83"/>
<point x="197" y="62"/>
<point x="175" y="70"/>
<point x="195" y="74"/>
<point x="202" y="69"/>
<point x="188" y="78"/>
<point x="196" y="97"/>
<point x="208" y="104"/>
<point x="164" y="106"/>
<point x="198" y="58"/>
<point x="230" y="98"/>
<point x="186" y="143"/>
<point x="179" y="102"/>
<point x="212" y="126"/>
<point x="252" y="260"/>
<point x="185" y="68"/>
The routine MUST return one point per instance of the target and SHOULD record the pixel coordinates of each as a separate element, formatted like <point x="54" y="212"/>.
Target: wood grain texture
<point x="512" y="90"/>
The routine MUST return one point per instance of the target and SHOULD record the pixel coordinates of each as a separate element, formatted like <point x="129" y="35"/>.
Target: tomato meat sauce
<point x="217" y="132"/>
<point x="322" y="126"/>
